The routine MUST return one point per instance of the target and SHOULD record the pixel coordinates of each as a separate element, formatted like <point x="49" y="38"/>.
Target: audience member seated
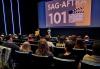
<point x="69" y="40"/>
<point x="61" y="42"/>
<point x="88" y="42"/>
<point x="95" y="58"/>
<point x="9" y="43"/>
<point x="30" y="40"/>
<point x="73" y="38"/>
<point x="43" y="49"/>
<point x="79" y="51"/>
<point x="50" y="44"/>
<point x="80" y="44"/>
<point x="25" y="47"/>
<point x="68" y="51"/>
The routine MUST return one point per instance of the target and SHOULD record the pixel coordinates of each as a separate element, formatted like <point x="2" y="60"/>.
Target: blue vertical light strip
<point x="19" y="17"/>
<point x="5" y="26"/>
<point x="13" y="28"/>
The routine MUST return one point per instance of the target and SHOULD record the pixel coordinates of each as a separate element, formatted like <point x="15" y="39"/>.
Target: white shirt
<point x="50" y="44"/>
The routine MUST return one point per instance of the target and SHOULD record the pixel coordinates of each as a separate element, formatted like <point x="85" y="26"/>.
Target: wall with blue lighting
<point x="18" y="16"/>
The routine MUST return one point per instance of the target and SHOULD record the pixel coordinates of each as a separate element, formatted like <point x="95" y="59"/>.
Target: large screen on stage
<point x="69" y="13"/>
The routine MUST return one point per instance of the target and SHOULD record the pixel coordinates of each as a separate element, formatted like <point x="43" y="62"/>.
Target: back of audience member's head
<point x="61" y="39"/>
<point x="9" y="38"/>
<point x="25" y="47"/>
<point x="96" y="48"/>
<point x="42" y="40"/>
<point x="73" y="37"/>
<point x="69" y="46"/>
<point x="31" y="40"/>
<point x="43" y="43"/>
<point x="43" y="46"/>
<point x="80" y="44"/>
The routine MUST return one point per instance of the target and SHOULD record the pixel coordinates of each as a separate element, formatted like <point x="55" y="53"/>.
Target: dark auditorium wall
<point x="28" y="16"/>
<point x="1" y="19"/>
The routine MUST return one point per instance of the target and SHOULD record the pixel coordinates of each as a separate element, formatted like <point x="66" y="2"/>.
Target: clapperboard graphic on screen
<point x="81" y="14"/>
<point x="76" y="15"/>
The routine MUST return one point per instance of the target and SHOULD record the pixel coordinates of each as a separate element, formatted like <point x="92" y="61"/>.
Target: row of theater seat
<point x="58" y="50"/>
<point x="24" y="60"/>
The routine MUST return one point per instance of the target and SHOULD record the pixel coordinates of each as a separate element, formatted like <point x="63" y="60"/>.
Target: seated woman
<point x="68" y="51"/>
<point x="43" y="49"/>
<point x="61" y="42"/>
<point x="25" y="47"/>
